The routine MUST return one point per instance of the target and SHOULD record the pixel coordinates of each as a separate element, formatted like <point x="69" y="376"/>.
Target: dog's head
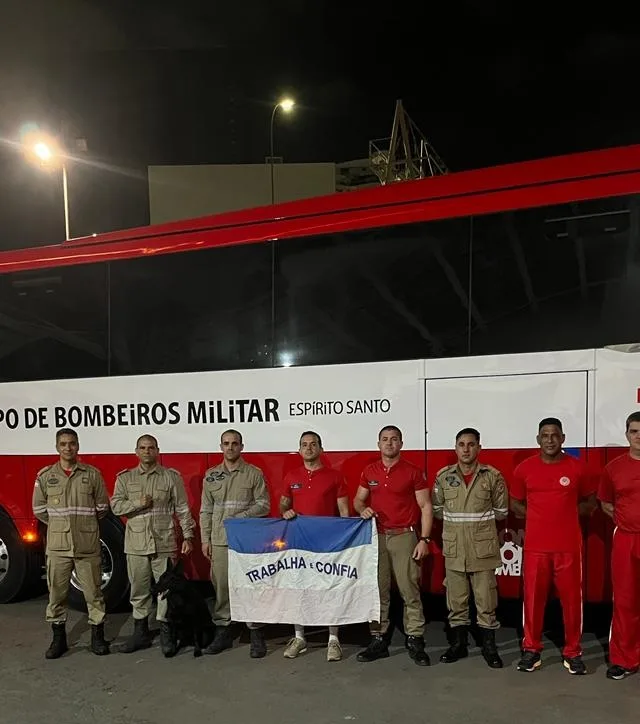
<point x="171" y="581"/>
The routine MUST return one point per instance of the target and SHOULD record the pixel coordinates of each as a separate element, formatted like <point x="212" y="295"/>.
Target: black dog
<point x="187" y="611"/>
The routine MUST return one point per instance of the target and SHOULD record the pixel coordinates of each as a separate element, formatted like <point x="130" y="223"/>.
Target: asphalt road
<point x="231" y="688"/>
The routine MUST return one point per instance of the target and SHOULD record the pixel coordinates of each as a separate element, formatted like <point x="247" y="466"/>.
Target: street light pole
<point x="271" y="152"/>
<point x="286" y="104"/>
<point x="65" y="194"/>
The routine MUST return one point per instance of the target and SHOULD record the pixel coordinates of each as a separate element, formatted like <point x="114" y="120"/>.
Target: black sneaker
<point x="617" y="673"/>
<point x="258" y="646"/>
<point x="575" y="665"/>
<point x="415" y="646"/>
<point x="377" y="649"/>
<point x="530" y="661"/>
<point x="223" y="640"/>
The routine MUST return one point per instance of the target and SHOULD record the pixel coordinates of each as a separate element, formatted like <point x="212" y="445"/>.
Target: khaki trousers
<point x="220" y="580"/>
<point x="394" y="560"/>
<point x="485" y="593"/>
<point x="142" y="570"/>
<point x="89" y="573"/>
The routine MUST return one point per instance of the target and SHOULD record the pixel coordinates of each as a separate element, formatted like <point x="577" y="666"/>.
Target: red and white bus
<point x="488" y="298"/>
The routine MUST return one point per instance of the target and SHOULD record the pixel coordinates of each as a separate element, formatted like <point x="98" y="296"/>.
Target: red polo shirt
<point x="552" y="492"/>
<point x="620" y="485"/>
<point x="314" y="492"/>
<point x="393" y="493"/>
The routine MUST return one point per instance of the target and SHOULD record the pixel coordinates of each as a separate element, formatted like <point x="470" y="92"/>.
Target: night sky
<point x="159" y="81"/>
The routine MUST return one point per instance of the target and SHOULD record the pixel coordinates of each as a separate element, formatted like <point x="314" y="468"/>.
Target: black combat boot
<point x="168" y="641"/>
<point x="141" y="638"/>
<point x="258" y="647"/>
<point x="459" y="648"/>
<point x="223" y="640"/>
<point x="489" y="650"/>
<point x="58" y="643"/>
<point x="415" y="646"/>
<point x="99" y="646"/>
<point x="378" y="648"/>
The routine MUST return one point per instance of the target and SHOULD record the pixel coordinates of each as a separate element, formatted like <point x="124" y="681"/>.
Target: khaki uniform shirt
<point x="151" y="530"/>
<point x="469" y="535"/>
<point x="70" y="506"/>
<point x="240" y="493"/>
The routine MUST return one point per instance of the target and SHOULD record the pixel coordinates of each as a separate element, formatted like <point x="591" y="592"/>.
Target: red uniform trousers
<point x="624" y="641"/>
<point x="565" y="571"/>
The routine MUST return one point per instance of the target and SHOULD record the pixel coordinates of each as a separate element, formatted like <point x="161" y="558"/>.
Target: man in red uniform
<point x="619" y="494"/>
<point x="548" y="489"/>
<point x="313" y="490"/>
<point x="399" y="497"/>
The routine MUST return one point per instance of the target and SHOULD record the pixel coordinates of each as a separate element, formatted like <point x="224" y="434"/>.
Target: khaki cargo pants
<point x="485" y="593"/>
<point x="220" y="580"/>
<point x="142" y="570"/>
<point x="395" y="561"/>
<point x="89" y="574"/>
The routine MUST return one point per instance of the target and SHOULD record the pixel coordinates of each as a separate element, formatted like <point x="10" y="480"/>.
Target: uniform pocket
<point x="58" y="534"/>
<point x="136" y="534"/>
<point x="162" y="492"/>
<point x="449" y="544"/>
<point x="87" y="535"/>
<point x="486" y="544"/>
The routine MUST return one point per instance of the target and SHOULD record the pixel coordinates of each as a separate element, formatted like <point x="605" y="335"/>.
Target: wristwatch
<point x="425" y="538"/>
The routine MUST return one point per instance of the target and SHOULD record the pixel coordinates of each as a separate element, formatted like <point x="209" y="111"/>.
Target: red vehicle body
<point x="423" y="304"/>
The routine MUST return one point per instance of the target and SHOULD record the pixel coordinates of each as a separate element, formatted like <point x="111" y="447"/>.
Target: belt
<point x="398" y="531"/>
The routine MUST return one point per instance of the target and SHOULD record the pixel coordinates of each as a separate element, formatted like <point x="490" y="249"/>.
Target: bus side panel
<point x="15" y="490"/>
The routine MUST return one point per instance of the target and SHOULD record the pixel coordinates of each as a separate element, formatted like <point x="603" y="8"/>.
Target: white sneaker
<point x="334" y="651"/>
<point x="295" y="647"/>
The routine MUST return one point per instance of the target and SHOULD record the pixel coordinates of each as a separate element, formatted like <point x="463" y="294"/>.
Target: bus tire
<point x="115" y="585"/>
<point x="16" y="562"/>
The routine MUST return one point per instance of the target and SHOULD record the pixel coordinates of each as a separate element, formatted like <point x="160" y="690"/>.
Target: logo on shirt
<point x="565" y="481"/>
<point x="373" y="483"/>
<point x="453" y="481"/>
<point x="296" y="486"/>
<point x="214" y="477"/>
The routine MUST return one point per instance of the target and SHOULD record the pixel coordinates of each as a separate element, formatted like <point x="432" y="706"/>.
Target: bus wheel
<point x="14" y="561"/>
<point x="115" y="582"/>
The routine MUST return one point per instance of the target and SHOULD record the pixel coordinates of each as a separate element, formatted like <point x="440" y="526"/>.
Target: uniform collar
<point x="154" y="469"/>
<point x="78" y="466"/>
<point x="223" y="468"/>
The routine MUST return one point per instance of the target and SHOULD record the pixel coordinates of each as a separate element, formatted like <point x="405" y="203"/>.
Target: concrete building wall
<point x="183" y="192"/>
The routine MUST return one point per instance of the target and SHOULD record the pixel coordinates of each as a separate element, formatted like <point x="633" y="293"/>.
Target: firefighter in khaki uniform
<point x="470" y="497"/>
<point x="233" y="489"/>
<point x="69" y="497"/>
<point x="149" y="495"/>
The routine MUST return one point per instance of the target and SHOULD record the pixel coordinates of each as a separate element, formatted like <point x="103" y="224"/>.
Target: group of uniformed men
<point x="551" y="490"/>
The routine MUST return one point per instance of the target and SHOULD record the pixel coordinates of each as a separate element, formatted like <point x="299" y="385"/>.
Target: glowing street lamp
<point x="286" y="105"/>
<point x="46" y="152"/>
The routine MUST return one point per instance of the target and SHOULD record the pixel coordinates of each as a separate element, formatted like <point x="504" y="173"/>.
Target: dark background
<point x="159" y="81"/>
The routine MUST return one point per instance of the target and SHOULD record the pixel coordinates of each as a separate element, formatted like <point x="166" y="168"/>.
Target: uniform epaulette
<point x="44" y="470"/>
<point x="442" y="470"/>
<point x="122" y="472"/>
<point x="173" y="470"/>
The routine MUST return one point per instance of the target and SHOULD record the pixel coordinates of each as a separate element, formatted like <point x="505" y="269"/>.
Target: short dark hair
<point x="66" y="431"/>
<point x="390" y="428"/>
<point x="550" y="421"/>
<point x="633" y="417"/>
<point x="232" y="432"/>
<point x="146" y="436"/>
<point x="469" y="431"/>
<point x="315" y="434"/>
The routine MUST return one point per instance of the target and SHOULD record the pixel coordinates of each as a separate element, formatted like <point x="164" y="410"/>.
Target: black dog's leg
<point x="198" y="641"/>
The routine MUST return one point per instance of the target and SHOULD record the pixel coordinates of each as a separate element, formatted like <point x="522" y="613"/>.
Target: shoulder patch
<point x="44" y="470"/>
<point x="443" y="470"/>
